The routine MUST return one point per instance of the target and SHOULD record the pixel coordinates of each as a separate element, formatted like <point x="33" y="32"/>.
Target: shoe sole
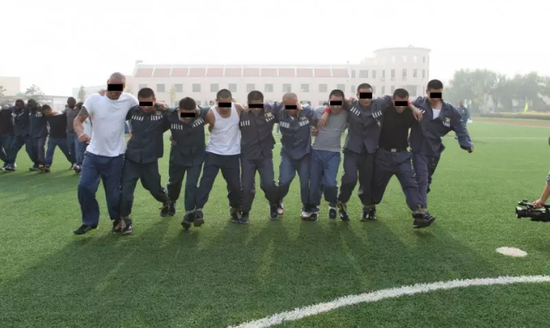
<point x="424" y="225"/>
<point x="186" y="225"/>
<point x="89" y="231"/>
<point x="199" y="223"/>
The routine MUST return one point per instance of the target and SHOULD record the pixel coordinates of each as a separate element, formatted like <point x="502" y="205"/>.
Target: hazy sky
<point x="61" y="44"/>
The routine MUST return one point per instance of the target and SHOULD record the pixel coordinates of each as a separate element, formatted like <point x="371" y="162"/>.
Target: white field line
<point x="307" y="311"/>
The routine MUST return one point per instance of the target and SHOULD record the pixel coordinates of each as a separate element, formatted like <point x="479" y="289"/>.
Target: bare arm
<point x="210" y="119"/>
<point x="79" y="121"/>
<point x="239" y="108"/>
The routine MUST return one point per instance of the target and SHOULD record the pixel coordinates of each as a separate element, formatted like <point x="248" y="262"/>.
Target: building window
<point x="268" y="87"/>
<point x="404" y="73"/>
<point x="250" y="87"/>
<point x="374" y="74"/>
<point x="423" y="73"/>
<point x="353" y="74"/>
<point x="424" y="60"/>
<point x="383" y="73"/>
<point x="233" y="87"/>
<point x="287" y="87"/>
<point x="304" y="88"/>
<point x="196" y="87"/>
<point x="364" y="73"/>
<point x="178" y="87"/>
<point x="415" y="72"/>
<point x="383" y="90"/>
<point x="214" y="87"/>
<point x="323" y="88"/>
<point x="142" y="86"/>
<point x="392" y="72"/>
<point x="353" y="90"/>
<point x="404" y="59"/>
<point x="392" y="89"/>
<point x="160" y="87"/>
<point x="341" y="87"/>
<point x="415" y="59"/>
<point x="393" y="59"/>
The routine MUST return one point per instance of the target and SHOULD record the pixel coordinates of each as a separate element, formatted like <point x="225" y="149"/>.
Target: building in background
<point x="388" y="70"/>
<point x="88" y="90"/>
<point x="12" y="85"/>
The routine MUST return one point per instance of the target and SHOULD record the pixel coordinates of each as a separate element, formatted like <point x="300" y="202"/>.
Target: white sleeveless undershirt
<point x="225" y="138"/>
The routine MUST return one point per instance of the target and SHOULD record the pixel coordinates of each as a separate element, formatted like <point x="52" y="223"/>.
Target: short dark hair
<point x="364" y="86"/>
<point x="20" y="101"/>
<point x="255" y="95"/>
<point x="80" y="103"/>
<point x="400" y="93"/>
<point x="71" y="98"/>
<point x="224" y="94"/>
<point x="337" y="93"/>
<point x="435" y="85"/>
<point x="146" y="93"/>
<point x="188" y="104"/>
<point x="46" y="107"/>
<point x="31" y="101"/>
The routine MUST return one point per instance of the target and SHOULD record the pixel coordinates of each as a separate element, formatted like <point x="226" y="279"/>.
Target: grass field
<point x="224" y="274"/>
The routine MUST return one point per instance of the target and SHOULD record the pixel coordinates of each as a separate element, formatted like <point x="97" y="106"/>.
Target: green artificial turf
<point x="225" y="274"/>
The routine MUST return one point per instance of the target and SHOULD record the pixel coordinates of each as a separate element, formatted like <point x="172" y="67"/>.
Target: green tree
<point x="81" y="94"/>
<point x="35" y="93"/>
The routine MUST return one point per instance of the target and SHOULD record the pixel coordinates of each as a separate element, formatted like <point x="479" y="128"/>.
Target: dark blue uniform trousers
<point x="72" y="141"/>
<point x="16" y="145"/>
<point x="267" y="181"/>
<point x="109" y="169"/>
<point x="231" y="171"/>
<point x="287" y="172"/>
<point x="175" y="181"/>
<point x="355" y="163"/>
<point x="387" y="164"/>
<point x="6" y="146"/>
<point x="323" y="172"/>
<point x="39" y="150"/>
<point x="424" y="168"/>
<point x="62" y="144"/>
<point x="148" y="174"/>
<point x="80" y="149"/>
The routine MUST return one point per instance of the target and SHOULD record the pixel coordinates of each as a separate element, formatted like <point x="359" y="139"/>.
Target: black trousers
<point x="230" y="167"/>
<point x="175" y="182"/>
<point x="267" y="181"/>
<point x="357" y="167"/>
<point x="39" y="150"/>
<point x="148" y="174"/>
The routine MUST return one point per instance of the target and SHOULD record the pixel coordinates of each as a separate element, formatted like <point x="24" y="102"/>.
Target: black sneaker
<point x="332" y="213"/>
<point x="165" y="209"/>
<point x="280" y="208"/>
<point x="369" y="214"/>
<point x="126" y="226"/>
<point x="35" y="168"/>
<point x="244" y="218"/>
<point x="313" y="217"/>
<point x="77" y="169"/>
<point x="46" y="169"/>
<point x="172" y="209"/>
<point x="343" y="209"/>
<point x="84" y="229"/>
<point x="187" y="219"/>
<point x="199" y="220"/>
<point x="422" y="220"/>
<point x="274" y="212"/>
<point x="8" y="168"/>
<point x="116" y="226"/>
<point x="234" y="215"/>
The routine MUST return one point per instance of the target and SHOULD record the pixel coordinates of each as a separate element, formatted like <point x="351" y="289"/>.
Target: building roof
<point x="160" y="71"/>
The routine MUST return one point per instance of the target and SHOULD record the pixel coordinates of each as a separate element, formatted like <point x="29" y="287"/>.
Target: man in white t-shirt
<point x="104" y="157"/>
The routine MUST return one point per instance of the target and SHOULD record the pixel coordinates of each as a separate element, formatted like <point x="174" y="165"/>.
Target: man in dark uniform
<point x="186" y="156"/>
<point x="393" y="158"/>
<point x="257" y="143"/>
<point x="295" y="151"/>
<point x="145" y="147"/>
<point x="72" y="140"/>
<point x="21" y="131"/>
<point x="439" y="118"/>
<point x="57" y="135"/>
<point x="6" y="136"/>
<point x="39" y="134"/>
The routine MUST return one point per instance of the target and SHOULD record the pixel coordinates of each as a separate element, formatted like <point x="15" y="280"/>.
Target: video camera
<point x="526" y="210"/>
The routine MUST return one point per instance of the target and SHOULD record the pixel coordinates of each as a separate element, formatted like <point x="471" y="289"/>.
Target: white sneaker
<point x="281" y="209"/>
<point x="306" y="214"/>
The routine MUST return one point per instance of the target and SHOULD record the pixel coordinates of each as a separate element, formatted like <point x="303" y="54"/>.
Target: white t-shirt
<point x="108" y="122"/>
<point x="436" y="112"/>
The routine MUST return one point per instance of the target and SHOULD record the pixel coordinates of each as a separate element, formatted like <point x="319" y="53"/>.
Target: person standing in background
<point x="72" y="140"/>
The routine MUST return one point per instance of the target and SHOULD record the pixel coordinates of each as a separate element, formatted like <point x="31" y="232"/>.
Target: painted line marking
<point x="382" y="294"/>
<point x="511" y="251"/>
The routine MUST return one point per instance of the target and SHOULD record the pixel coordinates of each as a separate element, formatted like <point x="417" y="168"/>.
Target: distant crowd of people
<point x="240" y="144"/>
